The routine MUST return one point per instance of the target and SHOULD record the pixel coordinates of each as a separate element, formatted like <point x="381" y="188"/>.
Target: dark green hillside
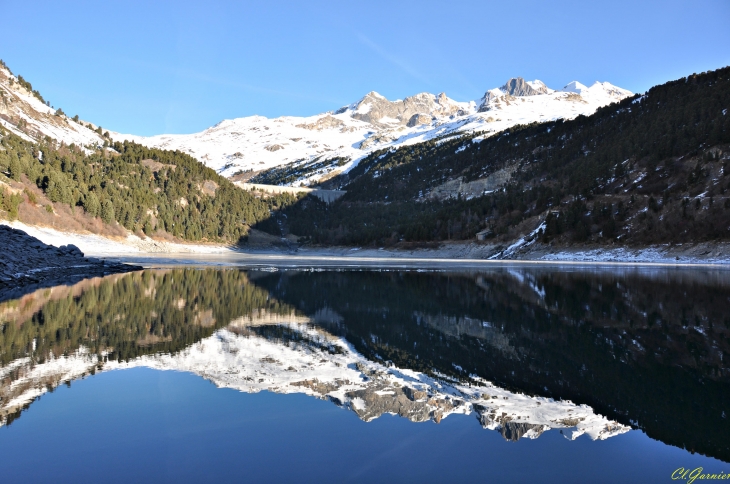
<point x="651" y="168"/>
<point x="290" y="172"/>
<point x="142" y="189"/>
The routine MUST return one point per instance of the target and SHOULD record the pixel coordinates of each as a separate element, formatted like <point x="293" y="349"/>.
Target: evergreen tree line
<point x="291" y="172"/>
<point x="142" y="189"/>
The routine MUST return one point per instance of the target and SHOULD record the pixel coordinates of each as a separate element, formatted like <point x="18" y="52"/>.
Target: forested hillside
<point x="649" y="169"/>
<point x="144" y="190"/>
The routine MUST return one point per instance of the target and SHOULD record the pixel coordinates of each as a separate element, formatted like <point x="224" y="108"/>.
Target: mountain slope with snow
<point x="299" y="151"/>
<point x="333" y="142"/>
<point x="23" y="113"/>
<point x="318" y="147"/>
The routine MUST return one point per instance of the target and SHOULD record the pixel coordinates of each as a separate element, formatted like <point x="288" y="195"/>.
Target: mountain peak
<point x="575" y="87"/>
<point x="373" y="94"/>
<point x="540" y="86"/>
<point x="517" y="86"/>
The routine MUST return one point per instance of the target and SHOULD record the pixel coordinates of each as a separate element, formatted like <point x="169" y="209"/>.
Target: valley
<point x="525" y="172"/>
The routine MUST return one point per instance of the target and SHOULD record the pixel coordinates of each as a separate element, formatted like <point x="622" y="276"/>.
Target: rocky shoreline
<point x="27" y="264"/>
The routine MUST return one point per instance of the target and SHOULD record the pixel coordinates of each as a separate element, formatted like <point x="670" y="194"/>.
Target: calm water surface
<point x="512" y="374"/>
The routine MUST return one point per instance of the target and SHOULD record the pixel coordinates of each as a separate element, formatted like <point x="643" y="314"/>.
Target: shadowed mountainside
<point x="649" y="169"/>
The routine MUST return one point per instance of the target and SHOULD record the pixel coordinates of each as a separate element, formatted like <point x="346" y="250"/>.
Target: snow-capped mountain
<point x="337" y="140"/>
<point x="324" y="144"/>
<point x="23" y="113"/>
<point x="323" y="366"/>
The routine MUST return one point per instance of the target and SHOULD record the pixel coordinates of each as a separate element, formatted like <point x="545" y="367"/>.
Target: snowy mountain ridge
<point x="334" y="142"/>
<point x="325" y="144"/>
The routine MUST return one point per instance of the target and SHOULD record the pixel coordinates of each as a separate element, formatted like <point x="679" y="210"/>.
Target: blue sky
<point x="180" y="67"/>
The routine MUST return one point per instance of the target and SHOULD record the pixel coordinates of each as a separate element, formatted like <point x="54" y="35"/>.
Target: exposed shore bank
<point x="134" y="247"/>
<point x="27" y="264"/>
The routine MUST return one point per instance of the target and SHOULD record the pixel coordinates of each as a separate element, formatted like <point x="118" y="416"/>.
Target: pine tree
<point x="15" y="168"/>
<point x="92" y="205"/>
<point x="107" y="212"/>
<point x="147" y="226"/>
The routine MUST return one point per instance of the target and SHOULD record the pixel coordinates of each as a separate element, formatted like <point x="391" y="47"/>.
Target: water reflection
<point x="524" y="350"/>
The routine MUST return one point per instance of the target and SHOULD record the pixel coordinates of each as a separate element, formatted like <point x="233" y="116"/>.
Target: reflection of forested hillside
<point x="646" y="349"/>
<point x="118" y="317"/>
<point x="129" y="315"/>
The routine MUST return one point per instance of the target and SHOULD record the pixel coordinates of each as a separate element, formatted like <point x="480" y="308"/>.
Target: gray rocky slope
<point x="27" y="264"/>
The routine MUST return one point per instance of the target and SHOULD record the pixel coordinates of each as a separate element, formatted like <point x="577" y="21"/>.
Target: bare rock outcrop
<point x="458" y="187"/>
<point x="377" y="110"/>
<point x="418" y="120"/>
<point x="517" y="86"/>
<point x="325" y="122"/>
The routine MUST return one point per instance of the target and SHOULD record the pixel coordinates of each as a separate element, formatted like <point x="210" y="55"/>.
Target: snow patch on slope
<point x="25" y="115"/>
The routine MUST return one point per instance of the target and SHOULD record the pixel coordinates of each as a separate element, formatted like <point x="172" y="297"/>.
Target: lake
<point x="506" y="373"/>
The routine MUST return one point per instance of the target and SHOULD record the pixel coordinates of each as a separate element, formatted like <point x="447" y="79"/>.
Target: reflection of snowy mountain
<point x="323" y="145"/>
<point x="260" y="352"/>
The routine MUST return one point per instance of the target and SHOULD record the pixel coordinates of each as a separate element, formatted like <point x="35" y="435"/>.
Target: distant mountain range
<point x="333" y="142"/>
<point x="337" y="140"/>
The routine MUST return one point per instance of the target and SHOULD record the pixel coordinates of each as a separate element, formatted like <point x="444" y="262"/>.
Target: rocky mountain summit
<point x="517" y="86"/>
<point x="377" y="110"/>
<point x="518" y="95"/>
<point x="27" y="264"/>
